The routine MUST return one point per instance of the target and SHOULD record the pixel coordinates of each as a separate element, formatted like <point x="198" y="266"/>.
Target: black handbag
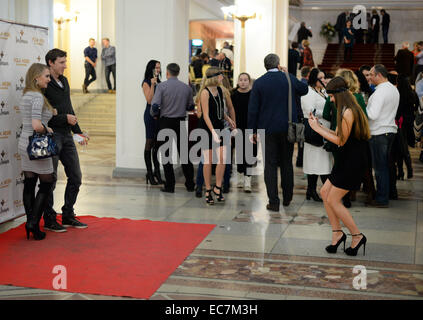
<point x="311" y="136"/>
<point x="42" y="146"/>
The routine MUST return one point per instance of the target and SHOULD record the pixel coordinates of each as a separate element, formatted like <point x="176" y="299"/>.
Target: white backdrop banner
<point x="20" y="47"/>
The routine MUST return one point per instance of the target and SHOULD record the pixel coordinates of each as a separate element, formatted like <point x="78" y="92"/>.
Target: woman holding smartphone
<point x="351" y="137"/>
<point x="151" y="79"/>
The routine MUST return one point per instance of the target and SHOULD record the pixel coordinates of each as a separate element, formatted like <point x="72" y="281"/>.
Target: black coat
<point x="303" y="34"/>
<point x="294" y="59"/>
<point x="59" y="98"/>
<point x="404" y="62"/>
<point x="341" y="21"/>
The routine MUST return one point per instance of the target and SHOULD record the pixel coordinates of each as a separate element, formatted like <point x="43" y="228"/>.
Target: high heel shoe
<point x="209" y="197"/>
<point x="313" y="195"/>
<point x="353" y="251"/>
<point x="150" y="179"/>
<point x="38" y="235"/>
<point x="219" y="195"/>
<point x="334" y="247"/>
<point x="158" y="177"/>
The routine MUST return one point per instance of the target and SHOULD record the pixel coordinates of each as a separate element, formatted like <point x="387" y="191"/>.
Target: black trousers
<point x="242" y="166"/>
<point x="278" y="154"/>
<point x="111" y="69"/>
<point x="187" y="168"/>
<point x="89" y="71"/>
<point x="68" y="156"/>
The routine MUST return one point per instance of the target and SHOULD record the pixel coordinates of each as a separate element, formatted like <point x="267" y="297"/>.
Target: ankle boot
<point x="311" y="188"/>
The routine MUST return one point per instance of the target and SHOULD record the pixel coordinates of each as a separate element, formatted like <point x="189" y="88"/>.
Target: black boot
<point x="409" y="167"/>
<point x="156" y="162"/>
<point x="28" y="202"/>
<point x="40" y="203"/>
<point x="311" y="188"/>
<point x="150" y="176"/>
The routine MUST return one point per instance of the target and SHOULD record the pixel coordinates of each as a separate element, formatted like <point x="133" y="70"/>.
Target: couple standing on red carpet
<point x="47" y="109"/>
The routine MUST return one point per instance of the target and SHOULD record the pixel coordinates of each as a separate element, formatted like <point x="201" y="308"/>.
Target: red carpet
<point x="125" y="258"/>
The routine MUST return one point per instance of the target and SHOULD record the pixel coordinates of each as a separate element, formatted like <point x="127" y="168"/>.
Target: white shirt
<point x="382" y="109"/>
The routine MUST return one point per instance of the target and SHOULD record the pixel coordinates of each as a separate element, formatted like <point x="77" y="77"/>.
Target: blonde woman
<point x="211" y="100"/>
<point x="36" y="113"/>
<point x="307" y="54"/>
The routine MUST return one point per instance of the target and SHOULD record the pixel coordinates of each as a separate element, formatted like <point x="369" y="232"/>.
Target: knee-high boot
<point x="150" y="175"/>
<point x="156" y="162"/>
<point x="28" y="202"/>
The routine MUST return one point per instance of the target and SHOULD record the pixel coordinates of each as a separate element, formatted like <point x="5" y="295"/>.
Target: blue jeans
<point x="380" y="147"/>
<point x="200" y="176"/>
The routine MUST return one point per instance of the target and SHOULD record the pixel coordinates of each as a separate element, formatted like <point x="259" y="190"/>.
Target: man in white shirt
<point x="381" y="110"/>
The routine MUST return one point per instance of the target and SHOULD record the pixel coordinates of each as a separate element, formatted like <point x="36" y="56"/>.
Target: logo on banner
<point x="38" y="41"/>
<point x="17" y="156"/>
<point x="4" y="35"/>
<point x="20" y="179"/>
<point x="21" y="86"/>
<point x="4" y="111"/>
<point x="17" y="109"/>
<point x="19" y="131"/>
<point x="18" y="204"/>
<point x="21" y="62"/>
<point x="5" y="85"/>
<point x="20" y="40"/>
<point x="3" y="206"/>
<point x="3" y="158"/>
<point x="3" y="63"/>
<point x="5" y="183"/>
<point x="5" y="135"/>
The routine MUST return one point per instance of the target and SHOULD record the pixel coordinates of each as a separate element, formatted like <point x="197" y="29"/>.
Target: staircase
<point x="98" y="115"/>
<point x="363" y="54"/>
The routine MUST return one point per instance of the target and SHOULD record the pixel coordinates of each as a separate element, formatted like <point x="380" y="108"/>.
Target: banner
<point x="20" y="47"/>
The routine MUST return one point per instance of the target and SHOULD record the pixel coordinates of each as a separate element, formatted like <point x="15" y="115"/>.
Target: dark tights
<point x="150" y="151"/>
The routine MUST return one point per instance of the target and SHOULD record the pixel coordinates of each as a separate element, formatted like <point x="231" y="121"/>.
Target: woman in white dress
<point x="317" y="161"/>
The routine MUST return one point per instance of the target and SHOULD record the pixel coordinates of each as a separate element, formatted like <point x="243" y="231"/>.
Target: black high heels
<point x="219" y="195"/>
<point x="150" y="179"/>
<point x="334" y="247"/>
<point x="158" y="177"/>
<point x="313" y="195"/>
<point x="209" y="197"/>
<point x="38" y="235"/>
<point x="353" y="251"/>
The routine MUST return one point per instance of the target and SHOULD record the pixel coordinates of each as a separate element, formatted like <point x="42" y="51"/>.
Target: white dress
<point x="316" y="159"/>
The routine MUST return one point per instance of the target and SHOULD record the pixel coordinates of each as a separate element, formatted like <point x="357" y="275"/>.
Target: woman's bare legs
<point x="334" y="201"/>
<point x="333" y="218"/>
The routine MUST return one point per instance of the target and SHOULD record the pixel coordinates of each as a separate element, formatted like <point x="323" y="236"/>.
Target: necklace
<point x="219" y="103"/>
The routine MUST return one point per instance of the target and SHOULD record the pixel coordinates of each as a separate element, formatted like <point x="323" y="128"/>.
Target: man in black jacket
<point x="304" y="33"/>
<point x="294" y="59"/>
<point x="375" y="23"/>
<point x="340" y="25"/>
<point x="65" y="122"/>
<point x="386" y="20"/>
<point x="405" y="60"/>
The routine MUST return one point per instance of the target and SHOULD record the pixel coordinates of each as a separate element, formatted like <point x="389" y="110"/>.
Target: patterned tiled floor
<point x="253" y="253"/>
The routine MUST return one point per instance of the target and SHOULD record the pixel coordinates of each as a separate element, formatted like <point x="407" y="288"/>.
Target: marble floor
<point x="253" y="253"/>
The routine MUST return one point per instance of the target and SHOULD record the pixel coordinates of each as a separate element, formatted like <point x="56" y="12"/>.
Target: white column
<point x="267" y="33"/>
<point x="145" y="30"/>
<point x="7" y="11"/>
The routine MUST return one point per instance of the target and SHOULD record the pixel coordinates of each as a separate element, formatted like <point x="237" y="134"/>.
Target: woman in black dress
<point x="211" y="99"/>
<point x="151" y="79"/>
<point x="351" y="137"/>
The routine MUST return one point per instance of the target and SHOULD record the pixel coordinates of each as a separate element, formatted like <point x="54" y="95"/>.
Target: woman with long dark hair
<point x="351" y="136"/>
<point x="151" y="79"/>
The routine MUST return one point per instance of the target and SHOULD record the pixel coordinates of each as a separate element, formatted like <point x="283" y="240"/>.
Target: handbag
<point x="295" y="130"/>
<point x="42" y="146"/>
<point x="311" y="136"/>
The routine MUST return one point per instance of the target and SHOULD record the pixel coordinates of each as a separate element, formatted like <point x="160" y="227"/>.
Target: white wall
<point x="140" y="37"/>
<point x="7" y="11"/>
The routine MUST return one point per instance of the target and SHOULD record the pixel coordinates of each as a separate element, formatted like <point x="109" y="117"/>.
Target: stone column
<point x="145" y="30"/>
<point x="267" y="33"/>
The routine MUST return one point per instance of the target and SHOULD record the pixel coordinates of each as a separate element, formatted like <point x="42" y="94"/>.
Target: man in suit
<point x="304" y="33"/>
<point x="375" y="21"/>
<point x="268" y="110"/>
<point x="404" y="60"/>
<point x="386" y="20"/>
<point x="340" y="25"/>
<point x="294" y="59"/>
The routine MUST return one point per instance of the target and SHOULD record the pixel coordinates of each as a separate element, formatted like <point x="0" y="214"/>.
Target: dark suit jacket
<point x="404" y="62"/>
<point x="294" y="59"/>
<point x="268" y="105"/>
<point x="341" y="22"/>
